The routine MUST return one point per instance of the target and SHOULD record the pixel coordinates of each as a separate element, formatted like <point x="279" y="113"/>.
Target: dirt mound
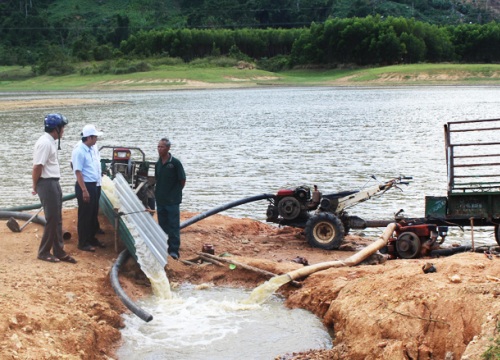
<point x="387" y="311"/>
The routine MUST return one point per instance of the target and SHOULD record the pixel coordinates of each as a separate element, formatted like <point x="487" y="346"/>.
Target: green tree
<point x="413" y="48"/>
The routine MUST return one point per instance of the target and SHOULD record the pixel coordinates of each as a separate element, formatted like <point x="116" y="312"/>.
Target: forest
<point x="50" y="35"/>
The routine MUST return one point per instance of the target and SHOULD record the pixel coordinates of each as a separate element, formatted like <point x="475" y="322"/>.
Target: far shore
<point x="186" y="77"/>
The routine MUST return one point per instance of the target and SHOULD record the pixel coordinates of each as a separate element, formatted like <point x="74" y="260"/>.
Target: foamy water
<point x="214" y="323"/>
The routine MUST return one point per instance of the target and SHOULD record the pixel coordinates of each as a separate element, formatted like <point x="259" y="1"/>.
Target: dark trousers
<point x="87" y="214"/>
<point x="50" y="194"/>
<point x="169" y="220"/>
<point x="98" y="191"/>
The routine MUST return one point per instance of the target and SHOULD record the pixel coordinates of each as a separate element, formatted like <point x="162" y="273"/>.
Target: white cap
<point x="90" y="130"/>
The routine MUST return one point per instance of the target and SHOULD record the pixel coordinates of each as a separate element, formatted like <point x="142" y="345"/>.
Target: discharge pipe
<point x="218" y="209"/>
<point x="115" y="283"/>
<point x="265" y="290"/>
<point x="350" y="261"/>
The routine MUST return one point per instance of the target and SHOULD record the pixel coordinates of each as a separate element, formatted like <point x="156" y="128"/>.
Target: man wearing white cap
<point x="86" y="168"/>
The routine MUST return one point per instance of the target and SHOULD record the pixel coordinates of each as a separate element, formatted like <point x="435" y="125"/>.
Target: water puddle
<point x="215" y="323"/>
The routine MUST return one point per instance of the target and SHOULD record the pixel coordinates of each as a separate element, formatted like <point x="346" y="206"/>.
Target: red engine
<point x="412" y="241"/>
<point x="290" y="204"/>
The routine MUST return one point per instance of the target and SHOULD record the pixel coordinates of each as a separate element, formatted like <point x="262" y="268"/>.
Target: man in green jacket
<point x="170" y="180"/>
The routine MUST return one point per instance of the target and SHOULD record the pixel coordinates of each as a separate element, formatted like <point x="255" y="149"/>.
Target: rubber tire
<point x="324" y="222"/>
<point x="497" y="235"/>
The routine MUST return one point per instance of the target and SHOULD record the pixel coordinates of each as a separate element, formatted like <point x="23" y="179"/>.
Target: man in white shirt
<point x="97" y="157"/>
<point x="86" y="168"/>
<point x="45" y="176"/>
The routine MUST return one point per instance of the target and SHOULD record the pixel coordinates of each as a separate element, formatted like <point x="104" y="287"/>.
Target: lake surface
<point x="239" y="143"/>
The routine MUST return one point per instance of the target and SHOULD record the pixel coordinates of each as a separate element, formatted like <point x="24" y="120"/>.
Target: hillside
<point x="79" y="16"/>
<point x="51" y="33"/>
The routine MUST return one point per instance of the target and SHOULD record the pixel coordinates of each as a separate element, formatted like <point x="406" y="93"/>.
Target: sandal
<point x="49" y="258"/>
<point x="69" y="259"/>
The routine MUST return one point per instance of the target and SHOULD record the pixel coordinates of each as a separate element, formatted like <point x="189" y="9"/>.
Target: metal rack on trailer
<point x="473" y="168"/>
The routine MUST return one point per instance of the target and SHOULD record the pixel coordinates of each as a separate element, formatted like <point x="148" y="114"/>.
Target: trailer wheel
<point x="324" y="231"/>
<point x="408" y="245"/>
<point x="497" y="235"/>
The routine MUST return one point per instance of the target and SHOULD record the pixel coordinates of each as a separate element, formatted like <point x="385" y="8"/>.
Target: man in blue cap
<point x="45" y="175"/>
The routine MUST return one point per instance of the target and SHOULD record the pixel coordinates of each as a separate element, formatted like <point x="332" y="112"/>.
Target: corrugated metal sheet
<point x="138" y="220"/>
<point x="124" y="234"/>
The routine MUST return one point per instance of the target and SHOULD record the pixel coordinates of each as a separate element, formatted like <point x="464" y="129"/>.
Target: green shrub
<point x="235" y="53"/>
<point x="53" y="68"/>
<point x="103" y="52"/>
<point x="121" y="66"/>
<point x="219" y="61"/>
<point x="493" y="352"/>
<point x="223" y="61"/>
<point x="167" y="60"/>
<point x="274" y="64"/>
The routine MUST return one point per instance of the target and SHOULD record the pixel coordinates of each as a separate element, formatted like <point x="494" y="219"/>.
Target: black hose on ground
<point x="224" y="207"/>
<point x="450" y="251"/>
<point x="115" y="283"/>
<point x="22" y="216"/>
<point x="460" y="249"/>
<point x="37" y="205"/>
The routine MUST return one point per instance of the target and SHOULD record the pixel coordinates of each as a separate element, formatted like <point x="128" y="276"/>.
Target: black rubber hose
<point x="224" y="207"/>
<point x="36" y="206"/>
<point x="115" y="283"/>
<point x="450" y="251"/>
<point x="22" y="216"/>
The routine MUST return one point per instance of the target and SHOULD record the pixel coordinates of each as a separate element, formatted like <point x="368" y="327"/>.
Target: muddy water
<point x="214" y="324"/>
<point x="240" y="143"/>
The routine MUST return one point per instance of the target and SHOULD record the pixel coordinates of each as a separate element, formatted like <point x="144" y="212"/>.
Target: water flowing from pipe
<point x="147" y="261"/>
<point x="265" y="290"/>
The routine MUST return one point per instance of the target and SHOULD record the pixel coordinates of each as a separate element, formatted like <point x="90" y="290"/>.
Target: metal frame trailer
<point x="473" y="176"/>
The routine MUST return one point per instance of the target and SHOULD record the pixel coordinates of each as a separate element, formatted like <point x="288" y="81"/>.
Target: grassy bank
<point x="188" y="76"/>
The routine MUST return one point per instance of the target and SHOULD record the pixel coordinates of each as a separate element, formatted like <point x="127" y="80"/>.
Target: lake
<point x="242" y="142"/>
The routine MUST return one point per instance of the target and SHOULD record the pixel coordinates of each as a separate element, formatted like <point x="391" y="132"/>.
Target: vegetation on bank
<point x="168" y="73"/>
<point x="370" y="41"/>
<point x="493" y="351"/>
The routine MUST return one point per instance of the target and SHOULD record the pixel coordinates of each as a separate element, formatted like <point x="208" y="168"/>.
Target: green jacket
<point x="170" y="178"/>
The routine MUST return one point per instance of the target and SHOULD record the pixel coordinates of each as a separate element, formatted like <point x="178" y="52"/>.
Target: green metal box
<point x="435" y="206"/>
<point x="124" y="234"/>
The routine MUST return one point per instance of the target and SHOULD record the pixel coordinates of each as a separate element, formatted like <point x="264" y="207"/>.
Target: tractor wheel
<point x="408" y="245"/>
<point x="324" y="231"/>
<point x="497" y="235"/>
